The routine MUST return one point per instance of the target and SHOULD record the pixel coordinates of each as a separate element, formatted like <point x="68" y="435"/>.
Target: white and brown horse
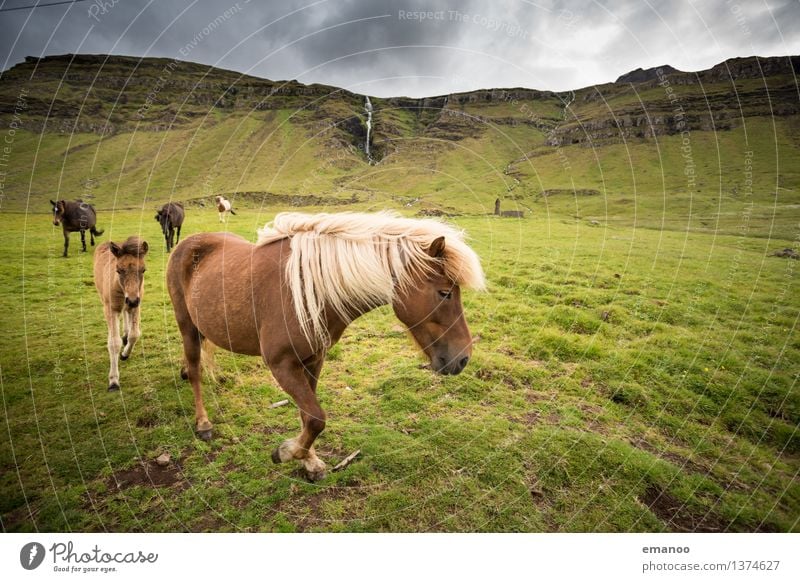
<point x="119" y="278"/>
<point x="224" y="206"/>
<point x="290" y="297"/>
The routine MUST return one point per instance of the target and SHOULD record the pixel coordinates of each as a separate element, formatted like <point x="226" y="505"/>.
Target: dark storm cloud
<point x="413" y="47"/>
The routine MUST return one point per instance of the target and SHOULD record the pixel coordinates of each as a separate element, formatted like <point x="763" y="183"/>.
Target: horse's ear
<point x="53" y="203"/>
<point x="144" y="247"/>
<point x="436" y="250"/>
<point x="115" y="249"/>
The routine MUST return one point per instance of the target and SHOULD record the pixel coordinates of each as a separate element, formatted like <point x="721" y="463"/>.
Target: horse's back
<point x="196" y="250"/>
<point x="177" y="214"/>
<point x="174" y="212"/>
<point x="80" y="216"/>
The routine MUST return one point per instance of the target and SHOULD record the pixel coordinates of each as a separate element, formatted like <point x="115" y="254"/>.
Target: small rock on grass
<point x="163" y="459"/>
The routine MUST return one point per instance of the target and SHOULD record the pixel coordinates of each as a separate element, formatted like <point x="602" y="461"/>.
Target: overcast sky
<point x="383" y="48"/>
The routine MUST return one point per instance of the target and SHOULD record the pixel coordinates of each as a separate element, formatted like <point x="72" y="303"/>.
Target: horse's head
<point x="130" y="268"/>
<point x="162" y="216"/>
<point x="58" y="211"/>
<point x="430" y="306"/>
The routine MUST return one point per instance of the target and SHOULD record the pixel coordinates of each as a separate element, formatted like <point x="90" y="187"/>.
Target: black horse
<point x="170" y="217"/>
<point x="75" y="216"/>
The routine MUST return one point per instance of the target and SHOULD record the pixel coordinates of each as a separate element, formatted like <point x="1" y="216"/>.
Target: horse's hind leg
<point x="114" y="345"/>
<point x="91" y="237"/>
<point x="83" y="240"/>
<point x="179" y="235"/>
<point x="292" y="377"/>
<point x="192" y="351"/>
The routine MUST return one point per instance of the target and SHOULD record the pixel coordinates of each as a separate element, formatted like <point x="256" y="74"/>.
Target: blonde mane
<point x="351" y="261"/>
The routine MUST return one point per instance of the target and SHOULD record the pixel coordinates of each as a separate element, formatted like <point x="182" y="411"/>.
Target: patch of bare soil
<point x="147" y="474"/>
<point x="677" y="515"/>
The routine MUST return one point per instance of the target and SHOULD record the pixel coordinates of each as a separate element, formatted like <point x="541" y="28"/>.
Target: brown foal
<point x="119" y="278"/>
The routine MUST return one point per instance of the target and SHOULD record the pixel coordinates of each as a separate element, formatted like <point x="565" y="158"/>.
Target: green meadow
<point x="638" y="351"/>
<point x="625" y="379"/>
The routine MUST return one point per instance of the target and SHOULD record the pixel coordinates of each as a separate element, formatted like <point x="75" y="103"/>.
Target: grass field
<point x="626" y="379"/>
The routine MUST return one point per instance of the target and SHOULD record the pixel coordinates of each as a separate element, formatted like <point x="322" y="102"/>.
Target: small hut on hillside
<point x="507" y="213"/>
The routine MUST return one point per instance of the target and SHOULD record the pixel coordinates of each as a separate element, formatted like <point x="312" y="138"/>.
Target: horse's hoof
<point x="123" y="357"/>
<point x="113" y="387"/>
<point x="315" y="475"/>
<point x="276" y="457"/>
<point x="315" y="468"/>
<point x="184" y="374"/>
<point x="205" y="435"/>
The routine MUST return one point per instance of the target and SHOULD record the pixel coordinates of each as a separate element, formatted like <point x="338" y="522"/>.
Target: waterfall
<point x="368" y="109"/>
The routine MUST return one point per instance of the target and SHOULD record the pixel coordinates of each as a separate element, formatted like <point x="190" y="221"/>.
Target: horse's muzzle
<point x="133" y="303"/>
<point x="447" y="367"/>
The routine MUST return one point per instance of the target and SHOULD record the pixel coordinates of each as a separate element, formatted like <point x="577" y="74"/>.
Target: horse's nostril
<point x="132" y="302"/>
<point x="463" y="363"/>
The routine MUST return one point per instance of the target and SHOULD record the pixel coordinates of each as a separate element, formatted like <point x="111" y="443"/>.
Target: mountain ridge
<point x="734" y="67"/>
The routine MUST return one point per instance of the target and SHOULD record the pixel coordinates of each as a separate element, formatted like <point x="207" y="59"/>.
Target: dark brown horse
<point x="119" y="278"/>
<point x="290" y="297"/>
<point x="75" y="216"/>
<point x="170" y="217"/>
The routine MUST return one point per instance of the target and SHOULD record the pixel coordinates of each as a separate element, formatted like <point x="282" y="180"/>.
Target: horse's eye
<point x="119" y="271"/>
<point x="445" y="294"/>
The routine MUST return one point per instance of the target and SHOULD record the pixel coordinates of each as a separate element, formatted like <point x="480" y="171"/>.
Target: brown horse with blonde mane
<point x="290" y="297"/>
<point x="119" y="278"/>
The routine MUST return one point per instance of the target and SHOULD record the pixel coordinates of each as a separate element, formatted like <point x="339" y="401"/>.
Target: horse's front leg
<point x="66" y="242"/>
<point x="171" y="242"/>
<point x="291" y="375"/>
<point x="132" y="330"/>
<point x="114" y="345"/>
<point x="83" y="240"/>
<point x="179" y="235"/>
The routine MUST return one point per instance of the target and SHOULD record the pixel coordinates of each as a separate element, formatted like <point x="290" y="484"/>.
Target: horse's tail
<point x="207" y="361"/>
<point x="232" y="212"/>
<point x="96" y="232"/>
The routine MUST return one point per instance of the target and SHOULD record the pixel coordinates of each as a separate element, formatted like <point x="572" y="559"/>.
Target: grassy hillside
<point x="625" y="380"/>
<point x="125" y="133"/>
